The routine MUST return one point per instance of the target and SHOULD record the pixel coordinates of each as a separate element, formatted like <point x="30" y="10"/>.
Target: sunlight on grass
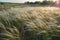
<point x="29" y="23"/>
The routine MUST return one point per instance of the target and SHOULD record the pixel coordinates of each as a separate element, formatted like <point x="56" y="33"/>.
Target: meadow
<point x="30" y="23"/>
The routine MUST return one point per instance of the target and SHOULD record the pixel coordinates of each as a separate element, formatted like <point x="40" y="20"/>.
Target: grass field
<point x="30" y="23"/>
